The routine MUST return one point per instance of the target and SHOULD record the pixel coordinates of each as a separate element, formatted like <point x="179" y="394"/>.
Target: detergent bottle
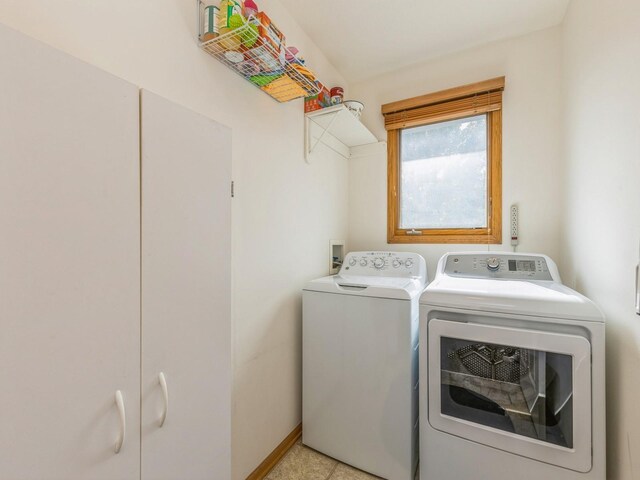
<point x="250" y="8"/>
<point x="228" y="8"/>
<point x="230" y="18"/>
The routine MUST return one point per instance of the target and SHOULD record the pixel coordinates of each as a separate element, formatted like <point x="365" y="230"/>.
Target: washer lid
<point x="368" y="286"/>
<point x="523" y="297"/>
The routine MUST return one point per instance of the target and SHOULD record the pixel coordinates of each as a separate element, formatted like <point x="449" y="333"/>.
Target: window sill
<point x="446" y="237"/>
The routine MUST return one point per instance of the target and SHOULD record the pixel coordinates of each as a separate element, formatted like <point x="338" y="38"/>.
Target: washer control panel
<point x="497" y="265"/>
<point x="384" y="264"/>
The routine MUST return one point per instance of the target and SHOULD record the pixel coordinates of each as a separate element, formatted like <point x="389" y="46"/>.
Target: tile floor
<point x="303" y="463"/>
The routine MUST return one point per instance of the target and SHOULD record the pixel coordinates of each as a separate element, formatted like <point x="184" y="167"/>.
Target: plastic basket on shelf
<point x="260" y="59"/>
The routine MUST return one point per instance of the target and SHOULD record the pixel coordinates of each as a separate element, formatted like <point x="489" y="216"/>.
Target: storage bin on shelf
<point x="256" y="51"/>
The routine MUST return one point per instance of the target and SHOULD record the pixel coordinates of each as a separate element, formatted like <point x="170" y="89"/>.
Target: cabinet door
<point x="69" y="266"/>
<point x="186" y="161"/>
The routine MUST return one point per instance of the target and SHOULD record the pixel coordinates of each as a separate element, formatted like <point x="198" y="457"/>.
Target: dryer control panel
<point x="499" y="265"/>
<point x="384" y="264"/>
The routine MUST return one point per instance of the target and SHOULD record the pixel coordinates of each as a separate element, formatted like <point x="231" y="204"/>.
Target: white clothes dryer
<point x="360" y="363"/>
<point x="512" y="377"/>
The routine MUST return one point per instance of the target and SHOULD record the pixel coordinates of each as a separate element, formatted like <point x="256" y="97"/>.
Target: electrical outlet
<point x="514" y="225"/>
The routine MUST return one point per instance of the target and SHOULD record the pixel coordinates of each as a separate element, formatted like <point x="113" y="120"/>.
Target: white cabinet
<point x="69" y="266"/>
<point x="95" y="299"/>
<point x="186" y="242"/>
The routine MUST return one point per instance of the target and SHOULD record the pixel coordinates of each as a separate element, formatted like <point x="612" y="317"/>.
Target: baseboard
<point x="274" y="457"/>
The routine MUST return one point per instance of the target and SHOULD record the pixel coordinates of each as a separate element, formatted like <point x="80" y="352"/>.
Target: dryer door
<point x="522" y="391"/>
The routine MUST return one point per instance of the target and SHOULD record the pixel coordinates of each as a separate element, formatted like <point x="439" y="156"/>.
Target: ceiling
<point x="365" y="38"/>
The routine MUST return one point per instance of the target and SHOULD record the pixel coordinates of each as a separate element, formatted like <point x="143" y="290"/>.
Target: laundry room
<point x="300" y="240"/>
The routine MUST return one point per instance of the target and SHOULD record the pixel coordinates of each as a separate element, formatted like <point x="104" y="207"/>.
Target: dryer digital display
<point x="522" y="266"/>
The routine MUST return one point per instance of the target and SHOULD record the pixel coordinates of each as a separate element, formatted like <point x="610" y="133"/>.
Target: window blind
<point x="468" y="100"/>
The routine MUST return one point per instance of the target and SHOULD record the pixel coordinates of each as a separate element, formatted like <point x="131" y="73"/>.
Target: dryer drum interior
<point x="518" y="390"/>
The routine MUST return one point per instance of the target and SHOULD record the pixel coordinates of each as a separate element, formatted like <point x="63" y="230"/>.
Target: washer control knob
<point x="493" y="264"/>
<point x="352" y="262"/>
<point x="396" y="263"/>
<point x="378" y="263"/>
<point x="363" y="262"/>
<point x="408" y="263"/>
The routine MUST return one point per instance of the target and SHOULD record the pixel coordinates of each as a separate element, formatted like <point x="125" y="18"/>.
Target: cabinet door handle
<point x="165" y="395"/>
<point x="638" y="289"/>
<point x="123" y="421"/>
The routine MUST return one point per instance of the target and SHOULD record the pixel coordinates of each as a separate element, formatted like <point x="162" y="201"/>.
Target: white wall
<point x="602" y="198"/>
<point x="531" y="144"/>
<point x="285" y="211"/>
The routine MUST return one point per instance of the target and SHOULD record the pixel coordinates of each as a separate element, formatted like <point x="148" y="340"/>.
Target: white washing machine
<point x="512" y="377"/>
<point x="360" y="363"/>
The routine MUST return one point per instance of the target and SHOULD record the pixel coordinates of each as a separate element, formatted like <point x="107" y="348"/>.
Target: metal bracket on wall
<point x="338" y="129"/>
<point x="309" y="149"/>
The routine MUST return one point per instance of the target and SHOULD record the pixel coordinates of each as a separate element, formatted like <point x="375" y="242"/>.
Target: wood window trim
<point x="493" y="233"/>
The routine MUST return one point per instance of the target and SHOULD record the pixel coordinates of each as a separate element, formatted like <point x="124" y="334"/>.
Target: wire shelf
<point x="263" y="61"/>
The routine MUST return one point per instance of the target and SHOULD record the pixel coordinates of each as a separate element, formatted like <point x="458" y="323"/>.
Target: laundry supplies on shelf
<point x="250" y="44"/>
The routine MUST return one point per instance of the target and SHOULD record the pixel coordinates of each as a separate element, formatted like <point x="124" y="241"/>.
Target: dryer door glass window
<point x="518" y="390"/>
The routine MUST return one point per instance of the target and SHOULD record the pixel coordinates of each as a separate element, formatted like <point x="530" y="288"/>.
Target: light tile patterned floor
<point x="303" y="463"/>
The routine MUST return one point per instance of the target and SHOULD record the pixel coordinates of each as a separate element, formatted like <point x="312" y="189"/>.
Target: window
<point x="444" y="166"/>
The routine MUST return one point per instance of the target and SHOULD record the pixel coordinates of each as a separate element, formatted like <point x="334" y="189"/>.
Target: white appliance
<point x="360" y="366"/>
<point x="511" y="372"/>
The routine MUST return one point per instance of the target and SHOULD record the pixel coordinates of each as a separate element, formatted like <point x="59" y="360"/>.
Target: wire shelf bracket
<point x="336" y="128"/>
